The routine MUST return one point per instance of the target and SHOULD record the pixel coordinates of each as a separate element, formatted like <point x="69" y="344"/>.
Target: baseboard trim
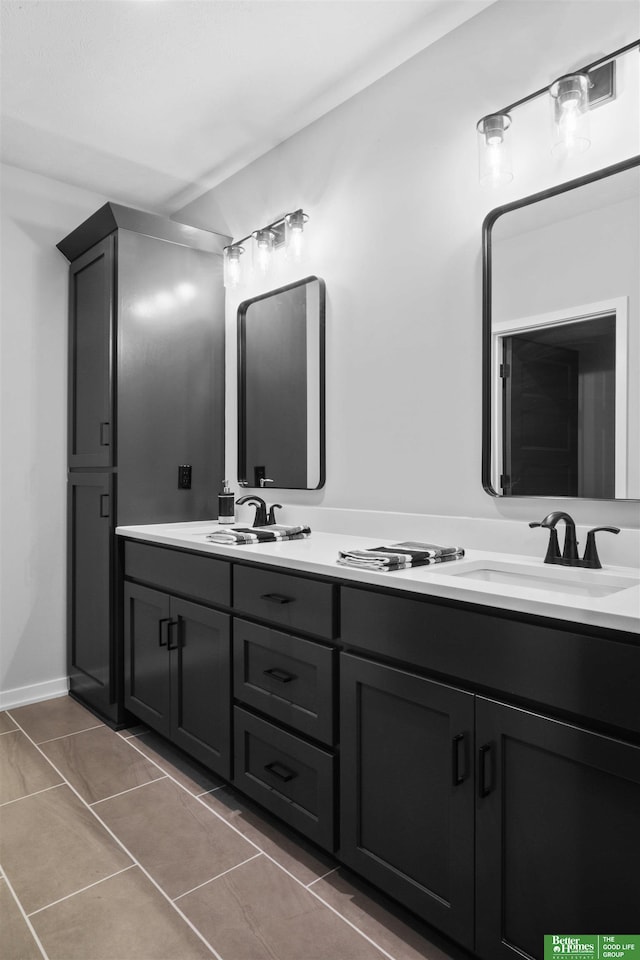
<point x="34" y="693"/>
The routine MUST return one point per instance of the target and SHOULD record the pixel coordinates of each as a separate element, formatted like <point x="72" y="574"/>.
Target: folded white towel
<point x="399" y="555"/>
<point x="269" y="534"/>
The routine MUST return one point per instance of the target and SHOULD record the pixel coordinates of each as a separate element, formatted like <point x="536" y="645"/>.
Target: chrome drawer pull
<point x="280" y="675"/>
<point x="276" y="598"/>
<point x="280" y="771"/>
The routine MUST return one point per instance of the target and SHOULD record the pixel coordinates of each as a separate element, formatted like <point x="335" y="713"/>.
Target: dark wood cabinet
<point x="495" y="817"/>
<point x="558" y="831"/>
<point x="91" y="356"/>
<point x="177" y="672"/>
<point x="407" y="790"/>
<point x="146" y="395"/>
<point x="92" y="656"/>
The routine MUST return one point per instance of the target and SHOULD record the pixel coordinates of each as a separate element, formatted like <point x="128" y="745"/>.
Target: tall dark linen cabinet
<point x="146" y="395"/>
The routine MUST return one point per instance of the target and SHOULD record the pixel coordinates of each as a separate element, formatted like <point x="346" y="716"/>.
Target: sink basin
<point x="546" y="578"/>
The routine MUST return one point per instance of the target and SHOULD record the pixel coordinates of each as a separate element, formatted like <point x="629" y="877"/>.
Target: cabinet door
<point x="91" y="662"/>
<point x="199" y="639"/>
<point x="147" y="688"/>
<point x="91" y="286"/>
<point x="407" y="790"/>
<point x="558" y="832"/>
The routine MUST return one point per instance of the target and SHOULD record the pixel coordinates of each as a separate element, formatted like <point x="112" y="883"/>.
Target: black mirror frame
<point x="242" y="310"/>
<point x="487" y="226"/>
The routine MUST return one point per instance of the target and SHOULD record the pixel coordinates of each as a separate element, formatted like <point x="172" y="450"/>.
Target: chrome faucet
<point x="569" y="556"/>
<point x="261" y="519"/>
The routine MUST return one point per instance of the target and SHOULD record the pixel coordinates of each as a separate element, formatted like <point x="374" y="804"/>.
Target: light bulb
<point x="263" y="250"/>
<point x="294" y="234"/>
<point x="570" y="114"/>
<point x="494" y="150"/>
<point x="232" y="265"/>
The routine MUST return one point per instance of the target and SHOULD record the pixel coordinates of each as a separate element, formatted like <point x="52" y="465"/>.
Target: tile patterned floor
<point x="116" y="846"/>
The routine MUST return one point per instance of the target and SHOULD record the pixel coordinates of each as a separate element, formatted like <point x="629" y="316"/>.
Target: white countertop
<point x="318" y="554"/>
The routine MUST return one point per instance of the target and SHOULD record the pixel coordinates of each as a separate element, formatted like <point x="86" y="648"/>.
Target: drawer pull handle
<point x="281" y="675"/>
<point x="179" y="641"/>
<point x="276" y="598"/>
<point x="460" y="764"/>
<point x="486" y="779"/>
<point x="163" y="639"/>
<point x="104" y="433"/>
<point x="280" y="771"/>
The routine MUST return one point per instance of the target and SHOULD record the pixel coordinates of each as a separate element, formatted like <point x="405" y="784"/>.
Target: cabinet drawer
<point x="289" y="678"/>
<point x="188" y="574"/>
<point x="286" y="775"/>
<point x="289" y="601"/>
<point x="558" y="668"/>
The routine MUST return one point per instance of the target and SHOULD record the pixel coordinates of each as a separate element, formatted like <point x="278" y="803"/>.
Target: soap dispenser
<point x="226" y="505"/>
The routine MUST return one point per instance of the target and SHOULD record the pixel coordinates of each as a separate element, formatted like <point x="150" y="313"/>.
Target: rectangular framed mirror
<point x="281" y="386"/>
<point x="561" y="341"/>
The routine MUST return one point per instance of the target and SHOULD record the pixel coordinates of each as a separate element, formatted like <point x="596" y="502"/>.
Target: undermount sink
<point x="549" y="578"/>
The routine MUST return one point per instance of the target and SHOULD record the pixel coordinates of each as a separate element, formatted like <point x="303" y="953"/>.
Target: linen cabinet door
<point x="407" y="790"/>
<point x="147" y="687"/>
<point x="200" y="641"/>
<point x="91" y="322"/>
<point x="557" y="832"/>
<point x="91" y="659"/>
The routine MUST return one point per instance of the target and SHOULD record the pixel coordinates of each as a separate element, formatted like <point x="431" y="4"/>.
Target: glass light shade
<point x="294" y="234"/>
<point x="262" y="251"/>
<point x="494" y="150"/>
<point x="232" y="265"/>
<point x="570" y="114"/>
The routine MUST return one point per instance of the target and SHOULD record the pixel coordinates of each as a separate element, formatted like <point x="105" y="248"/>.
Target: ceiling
<point x="152" y="102"/>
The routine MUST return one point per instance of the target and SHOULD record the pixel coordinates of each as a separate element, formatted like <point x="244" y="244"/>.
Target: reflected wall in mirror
<point x="281" y="387"/>
<point x="561" y="341"/>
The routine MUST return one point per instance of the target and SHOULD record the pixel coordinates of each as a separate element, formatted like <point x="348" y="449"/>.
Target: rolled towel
<point x="270" y="534"/>
<point x="399" y="556"/>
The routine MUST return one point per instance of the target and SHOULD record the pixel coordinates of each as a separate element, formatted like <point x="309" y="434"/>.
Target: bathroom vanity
<point x="471" y="747"/>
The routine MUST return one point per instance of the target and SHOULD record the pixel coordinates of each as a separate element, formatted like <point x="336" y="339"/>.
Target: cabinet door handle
<point x="281" y="675"/>
<point x="486" y="779"/>
<point x="280" y="771"/>
<point x="276" y="598"/>
<point x="105" y="439"/>
<point x="459" y="750"/>
<point x="104" y="504"/>
<point x="173" y="630"/>
<point x="163" y="636"/>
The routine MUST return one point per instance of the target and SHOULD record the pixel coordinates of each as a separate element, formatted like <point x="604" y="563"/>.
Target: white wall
<point x="35" y="214"/>
<point x="390" y="182"/>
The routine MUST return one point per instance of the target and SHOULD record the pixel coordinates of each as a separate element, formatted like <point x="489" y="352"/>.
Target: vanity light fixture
<point x="287" y="231"/>
<point x="494" y="149"/>
<point x="572" y="97"/>
<point x="232" y="264"/>
<point x="569" y="98"/>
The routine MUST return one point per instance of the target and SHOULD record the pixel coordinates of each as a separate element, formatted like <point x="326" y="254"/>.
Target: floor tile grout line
<point x="34" y="794"/>
<point x="74" y="733"/>
<point x="327" y="874"/>
<point x="129" y="790"/>
<point x="5" y="732"/>
<point x="25" y="917"/>
<point x="272" y="859"/>
<point x="126" y="850"/>
<point x="81" y="890"/>
<point x="223" y="874"/>
<point x="198" y="797"/>
<point x="333" y="909"/>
